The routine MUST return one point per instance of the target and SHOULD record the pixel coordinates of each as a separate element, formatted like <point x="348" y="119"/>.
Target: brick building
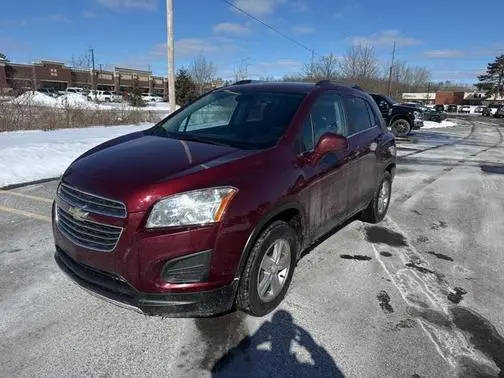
<point x="55" y="75"/>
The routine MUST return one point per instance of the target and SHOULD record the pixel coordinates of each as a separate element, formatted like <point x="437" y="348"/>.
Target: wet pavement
<point x="420" y="294"/>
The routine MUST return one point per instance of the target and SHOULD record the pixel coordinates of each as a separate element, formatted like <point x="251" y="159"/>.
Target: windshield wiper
<point x="197" y="138"/>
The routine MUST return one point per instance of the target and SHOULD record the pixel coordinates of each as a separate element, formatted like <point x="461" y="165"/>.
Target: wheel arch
<point x="401" y="116"/>
<point x="291" y="213"/>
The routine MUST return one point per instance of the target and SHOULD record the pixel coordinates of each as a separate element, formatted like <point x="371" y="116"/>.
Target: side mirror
<point x="329" y="142"/>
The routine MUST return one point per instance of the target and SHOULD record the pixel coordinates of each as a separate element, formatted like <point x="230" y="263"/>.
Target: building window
<point x="54" y="72"/>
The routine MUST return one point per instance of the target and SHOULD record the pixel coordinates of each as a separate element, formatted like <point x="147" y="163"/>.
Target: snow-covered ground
<point x="78" y="100"/>
<point x="437" y="125"/>
<point x="33" y="155"/>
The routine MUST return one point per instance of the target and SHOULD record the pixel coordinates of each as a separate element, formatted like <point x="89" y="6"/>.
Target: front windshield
<point x="245" y="119"/>
<point x="391" y="100"/>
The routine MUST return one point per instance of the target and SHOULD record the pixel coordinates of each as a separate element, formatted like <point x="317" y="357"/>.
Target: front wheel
<point x="400" y="127"/>
<point x="269" y="269"/>
<point x="378" y="206"/>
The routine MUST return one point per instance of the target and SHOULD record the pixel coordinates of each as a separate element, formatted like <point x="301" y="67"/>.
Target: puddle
<point x="440" y="256"/>
<point x="457" y="295"/>
<point x="385" y="254"/>
<point x="384" y="301"/>
<point x="378" y="234"/>
<point x="356" y="257"/>
<point x="483" y="335"/>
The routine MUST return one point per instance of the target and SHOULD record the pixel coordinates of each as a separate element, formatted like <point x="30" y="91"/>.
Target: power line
<point x="272" y="28"/>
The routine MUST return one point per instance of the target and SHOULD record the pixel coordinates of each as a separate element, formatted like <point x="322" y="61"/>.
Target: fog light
<point x="187" y="269"/>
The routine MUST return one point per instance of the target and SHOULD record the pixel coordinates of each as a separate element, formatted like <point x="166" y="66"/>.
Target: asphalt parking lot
<point x="420" y="294"/>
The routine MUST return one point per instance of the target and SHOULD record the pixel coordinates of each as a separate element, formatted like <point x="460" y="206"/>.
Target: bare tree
<point x="203" y="73"/>
<point x="360" y="64"/>
<point x="241" y="70"/>
<point x="82" y="61"/>
<point x="325" y="68"/>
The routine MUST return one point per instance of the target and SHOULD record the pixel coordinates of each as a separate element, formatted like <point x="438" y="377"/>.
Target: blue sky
<point x="451" y="38"/>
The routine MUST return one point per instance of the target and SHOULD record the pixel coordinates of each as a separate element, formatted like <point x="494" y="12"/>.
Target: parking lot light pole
<point x="170" y="54"/>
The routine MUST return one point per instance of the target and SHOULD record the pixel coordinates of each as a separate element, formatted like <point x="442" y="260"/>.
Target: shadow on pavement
<point x="268" y="353"/>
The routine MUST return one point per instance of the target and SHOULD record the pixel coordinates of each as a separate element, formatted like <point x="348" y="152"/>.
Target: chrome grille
<point x="91" y="202"/>
<point x="87" y="234"/>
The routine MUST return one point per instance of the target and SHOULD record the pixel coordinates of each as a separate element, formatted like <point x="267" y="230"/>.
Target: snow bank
<point x="436" y="125"/>
<point x="35" y="98"/>
<point x="74" y="100"/>
<point x="34" y="155"/>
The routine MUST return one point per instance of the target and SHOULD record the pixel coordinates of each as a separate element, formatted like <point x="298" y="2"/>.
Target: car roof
<point x="293" y="87"/>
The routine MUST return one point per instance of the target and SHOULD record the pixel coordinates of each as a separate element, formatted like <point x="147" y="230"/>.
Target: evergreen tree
<point x="492" y="82"/>
<point x="185" y="88"/>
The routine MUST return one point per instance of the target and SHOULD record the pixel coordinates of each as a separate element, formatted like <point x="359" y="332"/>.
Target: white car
<point x="101" y="96"/>
<point x="465" y="109"/>
<point x="75" y="90"/>
<point x="148" y="97"/>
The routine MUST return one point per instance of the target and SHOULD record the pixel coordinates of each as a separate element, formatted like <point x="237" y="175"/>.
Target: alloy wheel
<point x="274" y="270"/>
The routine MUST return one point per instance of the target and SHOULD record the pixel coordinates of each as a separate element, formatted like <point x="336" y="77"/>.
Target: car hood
<point x="406" y="108"/>
<point x="133" y="165"/>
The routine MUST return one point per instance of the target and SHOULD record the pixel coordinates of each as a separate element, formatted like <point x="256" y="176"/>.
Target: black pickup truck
<point x="400" y="118"/>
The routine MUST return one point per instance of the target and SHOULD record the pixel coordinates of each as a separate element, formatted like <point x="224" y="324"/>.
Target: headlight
<point x="191" y="208"/>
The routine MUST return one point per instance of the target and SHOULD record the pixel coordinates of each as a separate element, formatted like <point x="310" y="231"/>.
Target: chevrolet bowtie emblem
<point x="77" y="213"/>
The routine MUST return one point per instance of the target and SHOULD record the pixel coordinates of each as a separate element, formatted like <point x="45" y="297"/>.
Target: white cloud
<point x="231" y="28"/>
<point x="302" y="30"/>
<point x="88" y="14"/>
<point x="258" y="7"/>
<point x="384" y="38"/>
<point x="443" y="54"/>
<point x="138" y="4"/>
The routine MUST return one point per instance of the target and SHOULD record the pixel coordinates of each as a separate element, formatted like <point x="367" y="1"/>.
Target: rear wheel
<point x="400" y="127"/>
<point x="268" y="272"/>
<point x="378" y="206"/>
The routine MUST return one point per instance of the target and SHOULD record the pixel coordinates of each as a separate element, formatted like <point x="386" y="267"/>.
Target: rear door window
<point x="357" y="114"/>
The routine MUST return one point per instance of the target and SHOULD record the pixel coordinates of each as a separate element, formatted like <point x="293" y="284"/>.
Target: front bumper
<point x="115" y="289"/>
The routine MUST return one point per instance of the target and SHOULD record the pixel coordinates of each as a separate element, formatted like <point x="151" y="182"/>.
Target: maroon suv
<point x="211" y="208"/>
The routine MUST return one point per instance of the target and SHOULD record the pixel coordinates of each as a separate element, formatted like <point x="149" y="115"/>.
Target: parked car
<point x="211" y="208"/>
<point x="48" y="92"/>
<point x="493" y="108"/>
<point x="452" y="108"/>
<point x="148" y="97"/>
<point x="479" y="109"/>
<point x="75" y="90"/>
<point x="439" y="108"/>
<point x="499" y="113"/>
<point x="101" y="96"/>
<point x="400" y="118"/>
<point x="465" y="109"/>
<point x="429" y="114"/>
<point x="486" y="111"/>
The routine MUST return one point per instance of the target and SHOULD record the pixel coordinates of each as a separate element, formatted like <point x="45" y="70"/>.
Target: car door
<point x="325" y="184"/>
<point x="363" y="134"/>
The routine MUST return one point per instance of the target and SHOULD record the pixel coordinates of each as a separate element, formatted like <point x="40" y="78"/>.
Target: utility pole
<point x="390" y="72"/>
<point x="93" y="80"/>
<point x="170" y="54"/>
<point x="428" y="92"/>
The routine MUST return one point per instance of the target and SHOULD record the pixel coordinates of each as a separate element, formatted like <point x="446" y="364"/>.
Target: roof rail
<point x="323" y="83"/>
<point x="248" y="81"/>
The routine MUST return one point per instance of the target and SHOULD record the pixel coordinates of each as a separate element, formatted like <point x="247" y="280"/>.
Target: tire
<point x="401" y="127"/>
<point x="375" y="213"/>
<point x="248" y="298"/>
